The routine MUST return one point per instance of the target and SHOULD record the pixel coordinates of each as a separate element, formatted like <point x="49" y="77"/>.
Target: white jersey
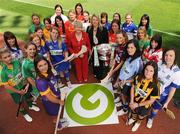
<point x="168" y="78"/>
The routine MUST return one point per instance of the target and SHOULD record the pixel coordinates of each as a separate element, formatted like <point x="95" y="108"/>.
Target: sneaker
<point x="63" y="125"/>
<point x="62" y="120"/>
<point x="118" y="104"/>
<point x="149" y="123"/>
<point x="34" y="102"/>
<point x="130" y="121"/>
<point x="69" y="84"/>
<point x="35" y="108"/>
<point x="121" y="112"/>
<point x="116" y="100"/>
<point x="135" y="127"/>
<point x="27" y="118"/>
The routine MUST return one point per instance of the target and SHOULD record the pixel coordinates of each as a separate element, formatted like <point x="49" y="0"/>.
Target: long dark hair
<point x="104" y="15"/>
<point x="117" y="22"/>
<point x="47" y="19"/>
<point x="56" y="6"/>
<point x="145" y="16"/>
<point x="136" y="54"/>
<point x="39" y="74"/>
<point x="9" y="35"/>
<point x="164" y="53"/>
<point x="119" y="17"/>
<point x="80" y="5"/>
<point x="59" y="18"/>
<point x="124" y="35"/>
<point x="155" y="66"/>
<point x="39" y="28"/>
<point x="158" y="39"/>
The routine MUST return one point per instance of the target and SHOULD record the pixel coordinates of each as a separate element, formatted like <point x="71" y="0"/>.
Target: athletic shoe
<point x="121" y="112"/>
<point x="135" y="127"/>
<point x="149" y="123"/>
<point x="34" y="102"/>
<point x="62" y="120"/>
<point x="118" y="104"/>
<point x="62" y="125"/>
<point x="130" y="121"/>
<point x="35" y="108"/>
<point x="116" y="100"/>
<point x="27" y="118"/>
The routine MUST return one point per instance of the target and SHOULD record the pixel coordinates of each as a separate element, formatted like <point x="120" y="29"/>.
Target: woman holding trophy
<point x="99" y="35"/>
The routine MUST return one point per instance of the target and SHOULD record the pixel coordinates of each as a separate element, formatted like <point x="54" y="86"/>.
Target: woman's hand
<point x="75" y="55"/>
<point x="61" y="102"/>
<point x="81" y="56"/>
<point x="165" y="105"/>
<point x="133" y="105"/>
<point x="23" y="91"/>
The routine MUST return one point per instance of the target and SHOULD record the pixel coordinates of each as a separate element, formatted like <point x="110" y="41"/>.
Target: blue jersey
<point x="56" y="51"/>
<point x="16" y="54"/>
<point x="129" y="28"/>
<point x="168" y="78"/>
<point x="42" y="50"/>
<point x="107" y="26"/>
<point x="130" y="69"/>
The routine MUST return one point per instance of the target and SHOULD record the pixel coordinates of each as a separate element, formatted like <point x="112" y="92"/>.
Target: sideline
<point x="157" y="30"/>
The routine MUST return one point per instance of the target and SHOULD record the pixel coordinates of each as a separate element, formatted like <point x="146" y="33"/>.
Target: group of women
<point x="143" y="73"/>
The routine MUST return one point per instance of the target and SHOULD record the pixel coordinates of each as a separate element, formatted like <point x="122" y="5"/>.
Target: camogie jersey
<point x="130" y="69"/>
<point x="143" y="44"/>
<point x="152" y="55"/>
<point x="119" y="52"/>
<point x="112" y="38"/>
<point x="42" y="51"/>
<point x="150" y="31"/>
<point x="168" y="78"/>
<point x="130" y="30"/>
<point x="45" y="87"/>
<point x="16" y="53"/>
<point x="56" y="51"/>
<point x="12" y="76"/>
<point x="28" y="71"/>
<point x="0" y="73"/>
<point x="145" y="90"/>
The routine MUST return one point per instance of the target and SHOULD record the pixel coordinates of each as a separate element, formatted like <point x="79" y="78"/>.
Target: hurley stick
<point x="167" y="111"/>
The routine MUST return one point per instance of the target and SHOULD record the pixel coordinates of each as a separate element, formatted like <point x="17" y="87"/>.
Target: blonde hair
<point x="4" y="50"/>
<point x="96" y="16"/>
<point x="128" y="14"/>
<point x="59" y="37"/>
<point x="71" y="11"/>
<point x="143" y="29"/>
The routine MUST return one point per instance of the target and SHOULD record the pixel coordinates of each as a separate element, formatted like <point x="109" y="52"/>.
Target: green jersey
<point x="12" y="75"/>
<point x="33" y="27"/>
<point x="28" y="71"/>
<point x="150" y="31"/>
<point x="143" y="44"/>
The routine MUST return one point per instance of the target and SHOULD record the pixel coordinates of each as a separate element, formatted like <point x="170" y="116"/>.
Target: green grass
<point x="165" y="14"/>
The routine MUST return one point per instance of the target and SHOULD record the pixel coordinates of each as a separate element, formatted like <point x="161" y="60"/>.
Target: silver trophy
<point x="104" y="51"/>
